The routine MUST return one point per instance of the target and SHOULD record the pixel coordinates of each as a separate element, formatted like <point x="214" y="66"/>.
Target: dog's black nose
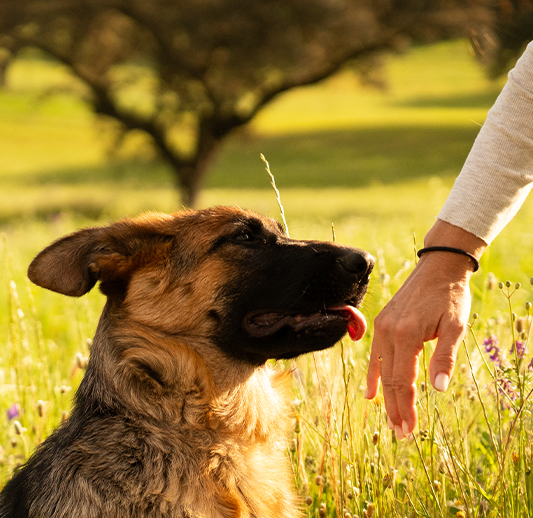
<point x="358" y="262"/>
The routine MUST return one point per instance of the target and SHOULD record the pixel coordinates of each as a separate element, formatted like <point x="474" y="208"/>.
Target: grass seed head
<point x="378" y="400"/>
<point x="297" y="425"/>
<point x="81" y="361"/>
<point x="388" y="480"/>
<point x="41" y="407"/>
<point x="19" y="429"/>
<point x="63" y="389"/>
<point x="521" y="324"/>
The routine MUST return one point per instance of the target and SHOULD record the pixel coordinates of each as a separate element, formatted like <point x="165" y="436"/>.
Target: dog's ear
<point x="73" y="264"/>
<point x="69" y="265"/>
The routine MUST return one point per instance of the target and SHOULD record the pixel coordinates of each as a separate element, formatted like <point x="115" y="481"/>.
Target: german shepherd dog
<point x="178" y="415"/>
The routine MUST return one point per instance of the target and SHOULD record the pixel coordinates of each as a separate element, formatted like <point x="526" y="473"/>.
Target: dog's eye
<point x="242" y="237"/>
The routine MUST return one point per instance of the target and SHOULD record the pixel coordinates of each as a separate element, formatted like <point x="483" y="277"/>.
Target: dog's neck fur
<point x="184" y="393"/>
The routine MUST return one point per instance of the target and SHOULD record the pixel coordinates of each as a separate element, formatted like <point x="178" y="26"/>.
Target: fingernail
<point x="399" y="433"/>
<point x="405" y="428"/>
<point x="442" y="381"/>
<point x="389" y="423"/>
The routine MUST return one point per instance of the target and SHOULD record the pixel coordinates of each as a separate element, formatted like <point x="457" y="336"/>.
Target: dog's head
<point x="223" y="275"/>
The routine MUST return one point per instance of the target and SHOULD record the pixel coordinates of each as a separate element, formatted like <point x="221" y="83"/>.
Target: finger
<point x="373" y="374"/>
<point x="442" y="361"/>
<point x="389" y="393"/>
<point x="399" y="380"/>
<point x="384" y="343"/>
<point x="405" y="390"/>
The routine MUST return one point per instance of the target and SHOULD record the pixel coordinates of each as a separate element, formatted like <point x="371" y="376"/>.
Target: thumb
<point x="442" y="361"/>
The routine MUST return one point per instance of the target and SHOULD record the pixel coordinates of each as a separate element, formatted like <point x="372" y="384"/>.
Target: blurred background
<point x="365" y="109"/>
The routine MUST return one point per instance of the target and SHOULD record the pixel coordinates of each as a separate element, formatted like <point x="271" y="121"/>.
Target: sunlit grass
<point x="470" y="453"/>
<point x="438" y="86"/>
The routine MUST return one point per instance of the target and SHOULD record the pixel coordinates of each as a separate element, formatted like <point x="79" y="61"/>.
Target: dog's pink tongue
<point x="356" y="323"/>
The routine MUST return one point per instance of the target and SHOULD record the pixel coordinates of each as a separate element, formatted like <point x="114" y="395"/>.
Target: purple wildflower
<point x="506" y="387"/>
<point x="521" y="349"/>
<point x="491" y="346"/>
<point x="489" y="342"/>
<point x="13" y="411"/>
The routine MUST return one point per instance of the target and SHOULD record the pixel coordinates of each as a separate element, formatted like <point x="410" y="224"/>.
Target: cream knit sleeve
<point x="498" y="173"/>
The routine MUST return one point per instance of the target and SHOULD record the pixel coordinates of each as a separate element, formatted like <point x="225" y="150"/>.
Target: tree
<point x="500" y="38"/>
<point x="206" y="67"/>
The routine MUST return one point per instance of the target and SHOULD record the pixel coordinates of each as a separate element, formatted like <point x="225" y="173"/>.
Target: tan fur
<point x="173" y="419"/>
<point x="239" y="463"/>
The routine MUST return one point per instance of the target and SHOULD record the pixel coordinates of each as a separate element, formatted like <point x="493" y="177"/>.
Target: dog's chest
<point x="245" y="464"/>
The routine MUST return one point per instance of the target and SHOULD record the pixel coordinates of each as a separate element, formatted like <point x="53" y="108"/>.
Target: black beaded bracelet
<point x="450" y="249"/>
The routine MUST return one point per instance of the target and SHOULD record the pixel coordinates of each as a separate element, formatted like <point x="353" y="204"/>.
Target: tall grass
<point x="471" y="454"/>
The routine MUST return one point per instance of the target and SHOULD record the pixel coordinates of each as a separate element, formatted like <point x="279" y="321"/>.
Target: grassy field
<point x="375" y="164"/>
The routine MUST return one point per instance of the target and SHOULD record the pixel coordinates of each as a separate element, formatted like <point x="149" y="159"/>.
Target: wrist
<point x="447" y="266"/>
<point x="450" y="250"/>
<point x="444" y="234"/>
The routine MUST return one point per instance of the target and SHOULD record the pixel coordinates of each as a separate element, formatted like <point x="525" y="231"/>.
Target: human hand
<point x="433" y="303"/>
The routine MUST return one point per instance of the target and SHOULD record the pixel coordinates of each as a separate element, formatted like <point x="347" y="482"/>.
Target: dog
<point x="178" y="414"/>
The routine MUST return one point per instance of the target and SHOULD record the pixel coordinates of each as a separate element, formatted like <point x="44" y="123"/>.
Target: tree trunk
<point x="187" y="185"/>
<point x="188" y="177"/>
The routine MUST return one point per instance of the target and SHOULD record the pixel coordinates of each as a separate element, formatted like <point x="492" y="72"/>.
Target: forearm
<point x="498" y="173"/>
